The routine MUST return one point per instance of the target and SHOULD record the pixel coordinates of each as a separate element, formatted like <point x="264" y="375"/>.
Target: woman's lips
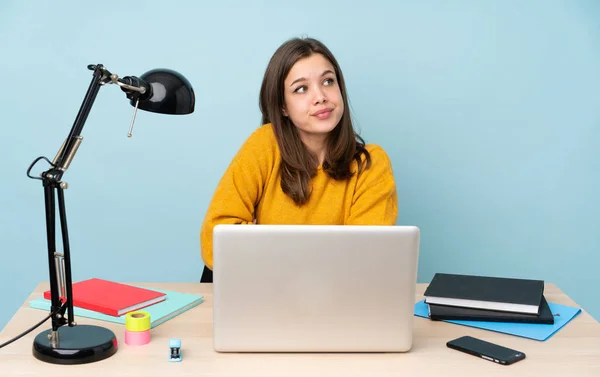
<point x="323" y="114"/>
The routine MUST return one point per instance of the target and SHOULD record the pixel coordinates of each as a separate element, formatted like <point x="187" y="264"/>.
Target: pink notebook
<point x="110" y="297"/>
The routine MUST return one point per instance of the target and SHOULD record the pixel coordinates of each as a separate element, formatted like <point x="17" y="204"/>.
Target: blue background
<point x="490" y="112"/>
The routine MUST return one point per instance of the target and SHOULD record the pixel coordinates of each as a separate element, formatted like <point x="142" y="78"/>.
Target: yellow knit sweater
<point x="250" y="189"/>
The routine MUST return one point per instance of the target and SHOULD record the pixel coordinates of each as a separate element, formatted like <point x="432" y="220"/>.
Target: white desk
<point x="573" y="351"/>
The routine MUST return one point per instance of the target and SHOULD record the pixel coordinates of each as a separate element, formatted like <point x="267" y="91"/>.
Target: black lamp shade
<point x="171" y="93"/>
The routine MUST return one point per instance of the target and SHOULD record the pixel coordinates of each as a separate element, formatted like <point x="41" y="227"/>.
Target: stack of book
<point x="110" y="301"/>
<point x="487" y="298"/>
<point x="110" y="297"/>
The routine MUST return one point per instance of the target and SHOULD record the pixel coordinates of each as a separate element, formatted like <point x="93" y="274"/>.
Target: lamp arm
<point x="60" y="263"/>
<point x="101" y="76"/>
<point x="127" y="87"/>
<point x="69" y="148"/>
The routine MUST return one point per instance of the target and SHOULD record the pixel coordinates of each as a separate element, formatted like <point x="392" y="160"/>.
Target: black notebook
<point x="486" y="292"/>
<point x="441" y="313"/>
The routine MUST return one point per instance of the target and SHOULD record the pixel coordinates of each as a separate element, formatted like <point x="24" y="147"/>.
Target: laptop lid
<point x="314" y="288"/>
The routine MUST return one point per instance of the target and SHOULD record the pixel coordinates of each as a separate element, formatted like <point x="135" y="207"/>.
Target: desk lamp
<point x="160" y="91"/>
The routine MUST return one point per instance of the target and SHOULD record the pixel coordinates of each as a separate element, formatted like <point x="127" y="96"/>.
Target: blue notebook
<point x="562" y="315"/>
<point x="175" y="304"/>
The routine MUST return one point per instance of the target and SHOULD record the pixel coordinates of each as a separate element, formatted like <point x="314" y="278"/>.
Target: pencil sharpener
<point x="175" y="346"/>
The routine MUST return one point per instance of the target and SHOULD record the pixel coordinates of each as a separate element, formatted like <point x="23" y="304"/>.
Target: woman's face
<point x="313" y="100"/>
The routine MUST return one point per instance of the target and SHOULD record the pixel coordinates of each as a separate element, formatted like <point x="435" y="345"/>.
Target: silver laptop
<point x="314" y="288"/>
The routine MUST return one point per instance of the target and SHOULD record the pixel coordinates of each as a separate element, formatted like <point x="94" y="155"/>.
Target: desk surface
<point x="573" y="351"/>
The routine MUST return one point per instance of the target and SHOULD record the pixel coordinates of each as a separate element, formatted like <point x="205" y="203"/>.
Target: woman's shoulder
<point x="379" y="157"/>
<point x="377" y="151"/>
<point x="262" y="137"/>
<point x="381" y="164"/>
<point x="259" y="144"/>
<point x="264" y="132"/>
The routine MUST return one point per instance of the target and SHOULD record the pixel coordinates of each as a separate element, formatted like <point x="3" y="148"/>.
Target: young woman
<point x="305" y="164"/>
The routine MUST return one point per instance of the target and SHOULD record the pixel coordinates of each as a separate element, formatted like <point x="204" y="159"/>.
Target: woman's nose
<point x="320" y="96"/>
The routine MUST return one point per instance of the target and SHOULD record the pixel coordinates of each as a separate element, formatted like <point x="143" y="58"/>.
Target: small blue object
<point x="175" y="345"/>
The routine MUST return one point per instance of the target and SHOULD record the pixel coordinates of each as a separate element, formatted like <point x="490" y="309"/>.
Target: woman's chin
<point x="324" y="126"/>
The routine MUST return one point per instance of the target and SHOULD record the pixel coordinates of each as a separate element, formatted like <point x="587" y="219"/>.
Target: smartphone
<point x="486" y="350"/>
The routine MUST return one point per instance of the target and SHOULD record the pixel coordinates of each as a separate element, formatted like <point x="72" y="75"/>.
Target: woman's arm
<point x="238" y="191"/>
<point x="375" y="200"/>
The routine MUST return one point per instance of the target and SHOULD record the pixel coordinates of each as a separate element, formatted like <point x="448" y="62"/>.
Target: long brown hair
<point x="298" y="164"/>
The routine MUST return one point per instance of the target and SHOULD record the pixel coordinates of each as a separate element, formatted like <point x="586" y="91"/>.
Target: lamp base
<point x="79" y="344"/>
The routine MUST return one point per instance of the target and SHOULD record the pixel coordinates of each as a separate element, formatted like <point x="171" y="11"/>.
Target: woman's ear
<point x="285" y="114"/>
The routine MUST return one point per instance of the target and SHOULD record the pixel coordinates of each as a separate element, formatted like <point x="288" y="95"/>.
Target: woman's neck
<point x="317" y="144"/>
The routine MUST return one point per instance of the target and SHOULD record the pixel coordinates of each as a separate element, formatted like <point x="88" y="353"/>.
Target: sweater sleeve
<point x="375" y="200"/>
<point x="237" y="192"/>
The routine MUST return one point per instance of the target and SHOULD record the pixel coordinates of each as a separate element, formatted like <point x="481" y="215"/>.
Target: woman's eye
<point x="328" y="81"/>
<point x="300" y="89"/>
